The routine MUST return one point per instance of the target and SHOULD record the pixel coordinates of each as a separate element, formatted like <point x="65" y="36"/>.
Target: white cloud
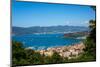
<point x="67" y="23"/>
<point x="86" y="22"/>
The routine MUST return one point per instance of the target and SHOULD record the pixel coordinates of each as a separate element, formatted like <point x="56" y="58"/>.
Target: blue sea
<point x="44" y="41"/>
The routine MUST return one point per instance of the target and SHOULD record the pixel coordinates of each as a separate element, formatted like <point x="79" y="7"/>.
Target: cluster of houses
<point x="71" y="51"/>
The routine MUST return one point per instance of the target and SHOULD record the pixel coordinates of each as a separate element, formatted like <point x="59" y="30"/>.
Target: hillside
<point x="49" y="29"/>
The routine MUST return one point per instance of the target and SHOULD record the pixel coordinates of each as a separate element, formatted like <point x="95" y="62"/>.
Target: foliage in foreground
<point x="90" y="41"/>
<point x="22" y="56"/>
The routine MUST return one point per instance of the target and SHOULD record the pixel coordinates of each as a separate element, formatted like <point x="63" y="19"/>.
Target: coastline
<point x="71" y="51"/>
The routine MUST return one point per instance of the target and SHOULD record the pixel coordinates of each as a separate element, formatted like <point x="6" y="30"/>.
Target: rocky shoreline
<point x="69" y="52"/>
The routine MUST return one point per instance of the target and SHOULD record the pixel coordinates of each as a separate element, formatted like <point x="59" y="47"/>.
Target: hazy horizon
<point x="47" y="26"/>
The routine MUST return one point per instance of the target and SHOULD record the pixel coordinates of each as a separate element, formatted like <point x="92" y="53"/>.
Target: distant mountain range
<point x="49" y="29"/>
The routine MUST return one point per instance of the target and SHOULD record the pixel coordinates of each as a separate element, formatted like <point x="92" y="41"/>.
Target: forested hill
<point x="49" y="29"/>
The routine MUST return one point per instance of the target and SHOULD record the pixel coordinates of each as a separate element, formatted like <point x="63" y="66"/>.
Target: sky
<point x="27" y="14"/>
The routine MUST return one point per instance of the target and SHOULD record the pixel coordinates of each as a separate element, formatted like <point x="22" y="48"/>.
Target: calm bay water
<point x="43" y="41"/>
